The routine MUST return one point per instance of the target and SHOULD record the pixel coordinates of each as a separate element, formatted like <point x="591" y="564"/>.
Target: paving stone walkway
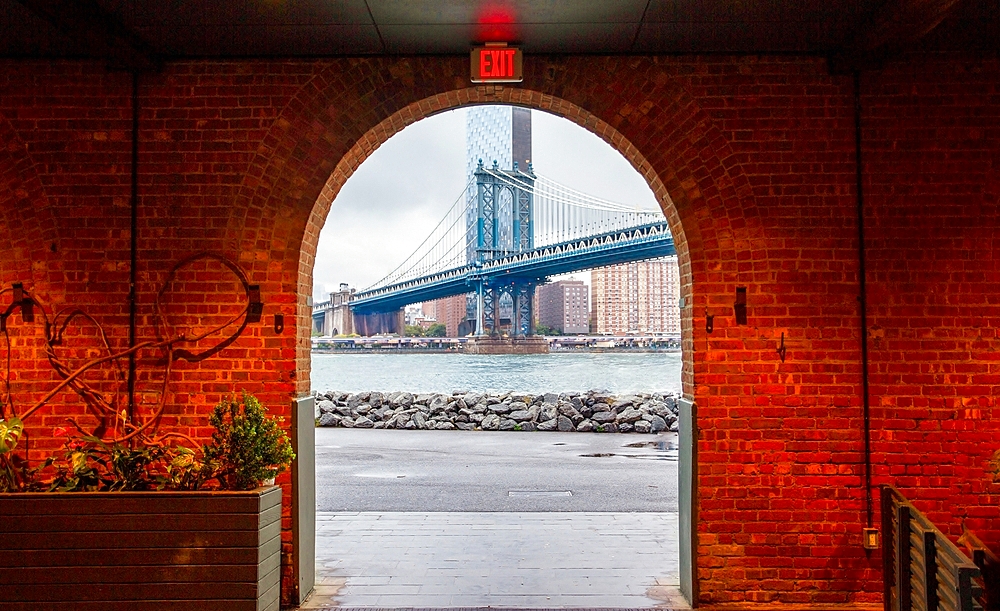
<point x="511" y="559"/>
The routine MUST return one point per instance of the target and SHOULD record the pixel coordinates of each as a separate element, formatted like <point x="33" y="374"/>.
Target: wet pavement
<point x="509" y="559"/>
<point x="446" y="519"/>
<point x="378" y="470"/>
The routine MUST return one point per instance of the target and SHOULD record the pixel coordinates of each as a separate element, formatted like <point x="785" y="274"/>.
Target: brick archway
<point x="348" y="109"/>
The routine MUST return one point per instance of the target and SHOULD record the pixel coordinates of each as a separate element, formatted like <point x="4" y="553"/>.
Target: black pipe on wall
<point x="863" y="298"/>
<point x="134" y="239"/>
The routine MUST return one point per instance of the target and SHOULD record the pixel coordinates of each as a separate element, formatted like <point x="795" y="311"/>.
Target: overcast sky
<point x="402" y="190"/>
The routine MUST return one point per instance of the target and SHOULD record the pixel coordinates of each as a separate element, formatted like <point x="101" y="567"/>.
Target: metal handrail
<point x="922" y="569"/>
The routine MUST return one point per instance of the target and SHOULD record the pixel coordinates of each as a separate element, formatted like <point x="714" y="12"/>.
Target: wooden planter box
<point x="141" y="550"/>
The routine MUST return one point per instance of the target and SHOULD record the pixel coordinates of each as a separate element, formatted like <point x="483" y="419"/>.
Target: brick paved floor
<point x="510" y="559"/>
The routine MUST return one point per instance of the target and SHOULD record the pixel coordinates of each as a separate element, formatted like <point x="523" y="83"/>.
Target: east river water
<point x="619" y="373"/>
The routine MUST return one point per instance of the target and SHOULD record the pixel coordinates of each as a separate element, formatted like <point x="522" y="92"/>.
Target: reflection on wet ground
<point x="663" y="450"/>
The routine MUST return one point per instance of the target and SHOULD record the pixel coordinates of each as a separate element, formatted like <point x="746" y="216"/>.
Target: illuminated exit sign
<point x="496" y="64"/>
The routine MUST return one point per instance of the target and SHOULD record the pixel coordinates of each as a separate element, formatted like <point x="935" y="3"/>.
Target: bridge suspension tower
<point x="504" y="226"/>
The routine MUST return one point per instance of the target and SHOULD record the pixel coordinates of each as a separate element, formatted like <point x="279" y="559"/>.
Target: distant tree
<point x="546" y="330"/>
<point x="436" y="330"/>
<point x="413" y="331"/>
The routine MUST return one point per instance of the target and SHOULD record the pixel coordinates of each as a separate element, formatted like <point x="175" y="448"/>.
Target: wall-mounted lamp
<point x="255" y="309"/>
<point x="27" y="305"/>
<point x="740" y="307"/>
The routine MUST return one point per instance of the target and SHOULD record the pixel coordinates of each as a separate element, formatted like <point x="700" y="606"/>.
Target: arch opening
<point x="390" y="126"/>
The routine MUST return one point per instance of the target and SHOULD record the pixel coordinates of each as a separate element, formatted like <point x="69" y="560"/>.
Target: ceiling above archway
<point x="142" y="33"/>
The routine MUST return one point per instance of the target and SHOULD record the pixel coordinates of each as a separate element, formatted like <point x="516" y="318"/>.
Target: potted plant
<point x="248" y="448"/>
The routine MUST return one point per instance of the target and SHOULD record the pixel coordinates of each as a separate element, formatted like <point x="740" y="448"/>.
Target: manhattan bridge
<point x="507" y="232"/>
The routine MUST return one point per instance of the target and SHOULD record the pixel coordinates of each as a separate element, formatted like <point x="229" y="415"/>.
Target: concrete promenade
<point x="525" y="520"/>
<point x="509" y="559"/>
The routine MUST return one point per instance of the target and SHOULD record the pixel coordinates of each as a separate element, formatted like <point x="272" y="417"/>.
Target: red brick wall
<point x="933" y="194"/>
<point x="753" y="159"/>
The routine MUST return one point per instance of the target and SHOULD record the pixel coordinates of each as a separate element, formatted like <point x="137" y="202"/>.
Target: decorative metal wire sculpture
<point x="99" y="404"/>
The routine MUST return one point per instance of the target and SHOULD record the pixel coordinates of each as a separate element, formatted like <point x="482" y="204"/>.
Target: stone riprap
<point x="591" y="411"/>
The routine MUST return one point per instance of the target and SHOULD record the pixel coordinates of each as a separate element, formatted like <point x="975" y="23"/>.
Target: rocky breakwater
<point x="591" y="411"/>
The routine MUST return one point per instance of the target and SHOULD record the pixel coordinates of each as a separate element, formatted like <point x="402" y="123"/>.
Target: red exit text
<point x="494" y="64"/>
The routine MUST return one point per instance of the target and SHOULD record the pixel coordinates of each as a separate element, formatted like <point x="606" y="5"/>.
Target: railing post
<point x="888" y="549"/>
<point x="930" y="571"/>
<point x="904" y="589"/>
<point x="965" y="576"/>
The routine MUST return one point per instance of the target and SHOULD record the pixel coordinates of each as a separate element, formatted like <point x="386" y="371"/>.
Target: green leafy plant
<point x="15" y="473"/>
<point x="248" y="446"/>
<point x="91" y="464"/>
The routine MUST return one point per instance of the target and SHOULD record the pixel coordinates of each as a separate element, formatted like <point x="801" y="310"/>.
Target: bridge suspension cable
<point x="560" y="214"/>
<point x="440" y="249"/>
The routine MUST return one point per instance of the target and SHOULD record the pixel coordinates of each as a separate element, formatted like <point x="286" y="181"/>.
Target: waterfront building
<point x="563" y="306"/>
<point x="452" y="312"/>
<point x="638" y="297"/>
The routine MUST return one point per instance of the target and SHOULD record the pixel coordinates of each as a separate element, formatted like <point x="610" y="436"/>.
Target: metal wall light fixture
<point x="740" y="307"/>
<point x="256" y="307"/>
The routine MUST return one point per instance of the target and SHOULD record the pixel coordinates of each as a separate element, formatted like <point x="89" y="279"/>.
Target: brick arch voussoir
<point x="28" y="226"/>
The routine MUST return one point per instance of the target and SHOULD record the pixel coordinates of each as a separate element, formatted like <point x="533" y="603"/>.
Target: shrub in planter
<point x="247" y="445"/>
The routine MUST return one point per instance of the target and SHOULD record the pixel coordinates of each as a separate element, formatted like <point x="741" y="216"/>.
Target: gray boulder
<point x="499" y="408"/>
<point x="326" y="407"/>
<point x="628" y="415"/>
<point x="465" y="426"/>
<point x="491" y="423"/>
<point x="438" y="404"/>
<point x="520" y="415"/>
<point x="419" y="420"/>
<point x="548" y="412"/>
<point x="565" y="424"/>
<point x="549" y="425"/>
<point x="506" y="424"/>
<point x="586" y="426"/>
<point x="656" y="424"/>
<point x="444" y="426"/>
<point x="329" y="419"/>
<point x="642" y="426"/>
<point x="528" y="426"/>
<point x="363" y="423"/>
<point x="625" y="427"/>
<point x="603" y="417"/>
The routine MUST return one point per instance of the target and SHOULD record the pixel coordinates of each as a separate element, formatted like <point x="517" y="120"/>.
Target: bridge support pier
<point x="507" y="345"/>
